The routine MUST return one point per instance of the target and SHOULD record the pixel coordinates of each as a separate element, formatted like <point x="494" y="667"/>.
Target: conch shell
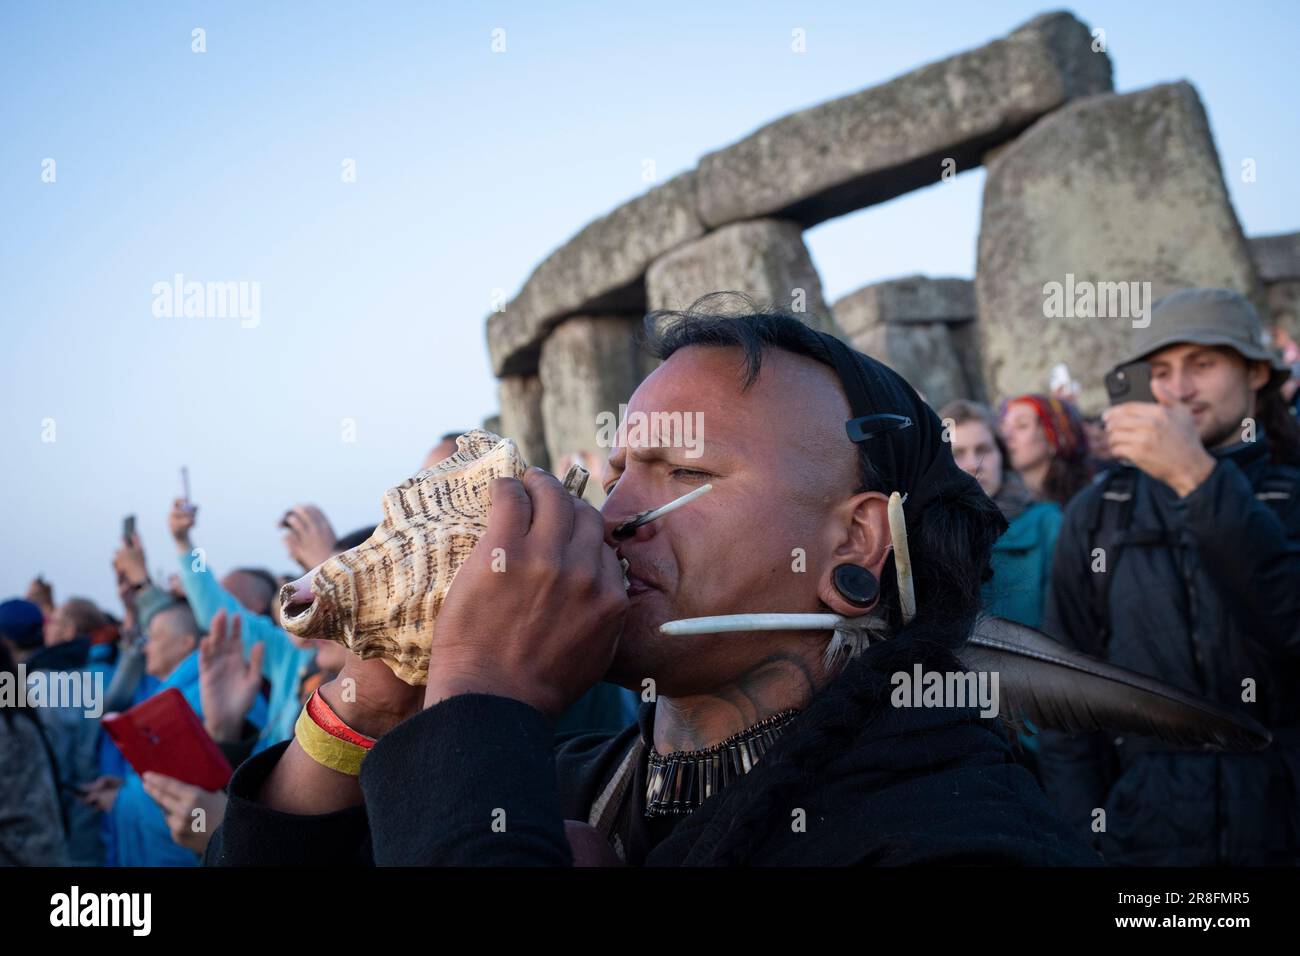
<point x="381" y="598"/>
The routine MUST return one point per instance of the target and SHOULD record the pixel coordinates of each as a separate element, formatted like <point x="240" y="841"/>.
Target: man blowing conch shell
<point x="767" y="747"/>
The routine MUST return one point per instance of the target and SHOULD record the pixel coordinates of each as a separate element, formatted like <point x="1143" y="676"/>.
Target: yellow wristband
<point x="326" y="749"/>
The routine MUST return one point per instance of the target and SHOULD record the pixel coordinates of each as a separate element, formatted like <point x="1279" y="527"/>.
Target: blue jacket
<point x="284" y="663"/>
<point x="1022" y="565"/>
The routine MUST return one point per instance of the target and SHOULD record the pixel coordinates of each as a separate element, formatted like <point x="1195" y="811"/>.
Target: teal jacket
<point x="1022" y="565"/>
<point x="284" y="663"/>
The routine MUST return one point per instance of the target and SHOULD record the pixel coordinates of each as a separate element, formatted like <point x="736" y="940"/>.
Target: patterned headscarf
<point x="1061" y="421"/>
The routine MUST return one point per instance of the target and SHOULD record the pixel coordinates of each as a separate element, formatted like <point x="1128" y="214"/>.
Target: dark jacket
<point x="904" y="786"/>
<point x="74" y="742"/>
<point x="31" y="818"/>
<point x="1204" y="593"/>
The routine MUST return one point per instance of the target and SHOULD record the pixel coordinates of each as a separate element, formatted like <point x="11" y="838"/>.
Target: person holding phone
<point x="1183" y="562"/>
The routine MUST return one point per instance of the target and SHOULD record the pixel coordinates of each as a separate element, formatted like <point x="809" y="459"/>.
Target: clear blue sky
<point x="471" y="166"/>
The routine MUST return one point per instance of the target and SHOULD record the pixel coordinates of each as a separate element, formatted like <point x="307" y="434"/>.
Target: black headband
<point x="900" y="434"/>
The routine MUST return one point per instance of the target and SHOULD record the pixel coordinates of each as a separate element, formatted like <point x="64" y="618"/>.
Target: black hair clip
<point x="867" y="427"/>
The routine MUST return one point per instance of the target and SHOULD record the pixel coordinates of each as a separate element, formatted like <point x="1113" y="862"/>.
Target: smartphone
<point x="128" y="530"/>
<point x="1130" y="383"/>
<point x="185" y="484"/>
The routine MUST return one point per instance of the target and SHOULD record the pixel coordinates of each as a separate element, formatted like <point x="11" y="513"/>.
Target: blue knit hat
<point x="22" y="623"/>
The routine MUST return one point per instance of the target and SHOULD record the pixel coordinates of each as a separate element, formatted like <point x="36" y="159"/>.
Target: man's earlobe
<point x="856" y="584"/>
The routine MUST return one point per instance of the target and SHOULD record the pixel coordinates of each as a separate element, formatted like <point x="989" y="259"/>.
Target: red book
<point x="163" y="734"/>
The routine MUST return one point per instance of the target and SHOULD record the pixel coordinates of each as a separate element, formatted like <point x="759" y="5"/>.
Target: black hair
<point x="1279" y="425"/>
<point x="353" y="538"/>
<point x="953" y="541"/>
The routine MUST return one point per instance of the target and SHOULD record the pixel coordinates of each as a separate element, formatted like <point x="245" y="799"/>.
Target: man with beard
<point x="761" y="747"/>
<point x="1184" y="564"/>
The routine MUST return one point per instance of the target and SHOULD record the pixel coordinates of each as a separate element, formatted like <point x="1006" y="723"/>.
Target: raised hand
<point x="192" y="813"/>
<point x="1160" y="439"/>
<point x="40" y="593"/>
<point x="129" y="563"/>
<point x="308" y="536"/>
<point x="126" y="594"/>
<point x="228" y="684"/>
<point x="180" y="521"/>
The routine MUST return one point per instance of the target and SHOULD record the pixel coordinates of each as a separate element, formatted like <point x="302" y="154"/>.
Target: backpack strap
<point x="1110" y="515"/>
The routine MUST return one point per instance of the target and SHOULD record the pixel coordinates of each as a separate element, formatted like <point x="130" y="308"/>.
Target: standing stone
<point x="766" y="259"/>
<point x="965" y="338"/>
<point x="589" y="367"/>
<point x="1276" y="257"/>
<point x="1107" y="190"/>
<point x="1284" y="306"/>
<point x="921" y="352"/>
<point x="601" y="270"/>
<point x="1278" y="260"/>
<point x="910" y="299"/>
<point x="521" y="416"/>
<point x="910" y="324"/>
<point x="881" y="142"/>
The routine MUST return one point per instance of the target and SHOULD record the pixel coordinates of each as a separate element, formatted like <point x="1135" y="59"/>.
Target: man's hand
<point x="129" y="563"/>
<point x="369" y="697"/>
<point x="101" y="792"/>
<point x="228" y="684"/>
<point x="536" y="610"/>
<point x="192" y="813"/>
<point x="1162" y="441"/>
<point x="126" y="594"/>
<point x="180" y="521"/>
<point x="308" y="535"/>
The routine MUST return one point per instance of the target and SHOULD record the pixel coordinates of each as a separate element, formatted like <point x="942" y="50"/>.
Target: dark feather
<point x="1060" y="689"/>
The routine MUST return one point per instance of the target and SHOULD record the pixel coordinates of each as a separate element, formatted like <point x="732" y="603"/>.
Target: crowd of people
<point x="67" y="795"/>
<point x="1161" y="536"/>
